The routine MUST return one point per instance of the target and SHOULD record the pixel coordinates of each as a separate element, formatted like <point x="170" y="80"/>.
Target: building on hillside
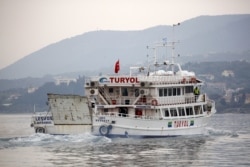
<point x="61" y="80"/>
<point x="217" y="85"/>
<point x="227" y="73"/>
<point x="228" y="95"/>
<point x="32" y="89"/>
<point x="14" y="97"/>
<point x="247" y="100"/>
<point x="207" y="76"/>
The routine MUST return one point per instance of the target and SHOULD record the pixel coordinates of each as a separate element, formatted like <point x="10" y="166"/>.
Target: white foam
<point x="218" y="132"/>
<point x="41" y="139"/>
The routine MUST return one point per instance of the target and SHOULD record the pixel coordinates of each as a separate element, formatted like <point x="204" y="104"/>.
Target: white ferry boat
<point x="165" y="101"/>
<point x="158" y="99"/>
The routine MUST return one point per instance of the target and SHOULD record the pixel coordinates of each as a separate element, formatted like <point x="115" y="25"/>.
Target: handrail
<point x="143" y="117"/>
<point x="115" y="114"/>
<point x="166" y="100"/>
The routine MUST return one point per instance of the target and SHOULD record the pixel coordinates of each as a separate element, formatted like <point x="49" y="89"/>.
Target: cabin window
<point x="137" y="92"/>
<point x="123" y="111"/>
<point x="174" y="92"/>
<point x="166" y="113"/>
<point x="181" y="111"/>
<point x="165" y="92"/>
<point x="169" y="92"/>
<point x="173" y="112"/>
<point x="204" y="108"/>
<point x="189" y="89"/>
<point x="189" y="111"/>
<point x="198" y="110"/>
<point x="160" y="92"/>
<point x="124" y="92"/>
<point x="111" y="90"/>
<point x="178" y="91"/>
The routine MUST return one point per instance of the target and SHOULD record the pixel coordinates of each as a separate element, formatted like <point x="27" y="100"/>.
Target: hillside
<point x="96" y="50"/>
<point x="231" y="93"/>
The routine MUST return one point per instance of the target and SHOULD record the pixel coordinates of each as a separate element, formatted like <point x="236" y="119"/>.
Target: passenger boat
<point x="156" y="100"/>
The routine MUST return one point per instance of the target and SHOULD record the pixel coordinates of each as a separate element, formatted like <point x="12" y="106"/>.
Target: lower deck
<point x="156" y="112"/>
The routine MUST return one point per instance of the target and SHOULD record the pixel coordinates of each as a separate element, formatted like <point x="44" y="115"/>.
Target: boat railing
<point x="175" y="79"/>
<point x="157" y="101"/>
<point x="122" y="115"/>
<point x="173" y="100"/>
<point x="211" y="106"/>
<point x="123" y="100"/>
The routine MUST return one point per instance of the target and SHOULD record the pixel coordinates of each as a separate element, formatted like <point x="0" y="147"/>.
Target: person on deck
<point x="196" y="92"/>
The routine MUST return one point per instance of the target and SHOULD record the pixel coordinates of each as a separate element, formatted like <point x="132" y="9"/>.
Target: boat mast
<point x="166" y="44"/>
<point x="173" y="47"/>
<point x="34" y="108"/>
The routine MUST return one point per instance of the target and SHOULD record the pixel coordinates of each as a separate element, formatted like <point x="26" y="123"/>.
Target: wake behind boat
<point x="158" y="99"/>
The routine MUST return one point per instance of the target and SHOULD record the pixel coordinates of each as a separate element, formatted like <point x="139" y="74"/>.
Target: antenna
<point x="173" y="43"/>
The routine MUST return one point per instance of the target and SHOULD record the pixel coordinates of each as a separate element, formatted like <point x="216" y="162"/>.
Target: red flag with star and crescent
<point x="117" y="66"/>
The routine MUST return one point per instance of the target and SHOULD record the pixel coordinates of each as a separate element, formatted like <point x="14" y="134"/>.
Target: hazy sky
<point x="29" y="25"/>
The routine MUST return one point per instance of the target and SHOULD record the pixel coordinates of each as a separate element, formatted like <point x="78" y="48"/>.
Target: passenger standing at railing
<point x="196" y="92"/>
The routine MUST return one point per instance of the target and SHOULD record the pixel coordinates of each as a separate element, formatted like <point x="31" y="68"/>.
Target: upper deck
<point x="159" y="80"/>
<point x="153" y="80"/>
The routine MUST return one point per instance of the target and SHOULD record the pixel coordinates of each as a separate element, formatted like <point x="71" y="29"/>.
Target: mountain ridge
<point x="92" y="51"/>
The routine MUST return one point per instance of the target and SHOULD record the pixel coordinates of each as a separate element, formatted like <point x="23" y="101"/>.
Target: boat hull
<point x="63" y="129"/>
<point x="129" y="127"/>
<point x="68" y="129"/>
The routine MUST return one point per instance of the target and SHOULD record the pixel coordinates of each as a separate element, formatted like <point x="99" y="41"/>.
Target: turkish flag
<point x="117" y="66"/>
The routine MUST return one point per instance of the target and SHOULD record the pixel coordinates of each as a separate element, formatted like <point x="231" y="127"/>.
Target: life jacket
<point x="196" y="91"/>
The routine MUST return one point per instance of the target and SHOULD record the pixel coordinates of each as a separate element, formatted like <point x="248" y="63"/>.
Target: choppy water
<point x="226" y="143"/>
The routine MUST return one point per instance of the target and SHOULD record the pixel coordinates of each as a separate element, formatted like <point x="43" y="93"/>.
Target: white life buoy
<point x="154" y="102"/>
<point x="40" y="130"/>
<point x="104" y="130"/>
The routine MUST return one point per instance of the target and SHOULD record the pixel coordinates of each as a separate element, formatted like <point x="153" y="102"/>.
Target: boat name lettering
<point x="103" y="80"/>
<point x="102" y="119"/>
<point x="124" y="80"/>
<point x="43" y="122"/>
<point x="43" y="118"/>
<point x="181" y="123"/>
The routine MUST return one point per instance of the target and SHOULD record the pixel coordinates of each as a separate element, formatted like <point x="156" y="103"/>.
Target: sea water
<point x="226" y="143"/>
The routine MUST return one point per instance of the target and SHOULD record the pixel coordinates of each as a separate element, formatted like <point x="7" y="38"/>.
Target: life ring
<point x="110" y="127"/>
<point x="142" y="84"/>
<point x="104" y="130"/>
<point x="193" y="80"/>
<point x="154" y="102"/>
<point x="40" y="130"/>
<point x="92" y="91"/>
